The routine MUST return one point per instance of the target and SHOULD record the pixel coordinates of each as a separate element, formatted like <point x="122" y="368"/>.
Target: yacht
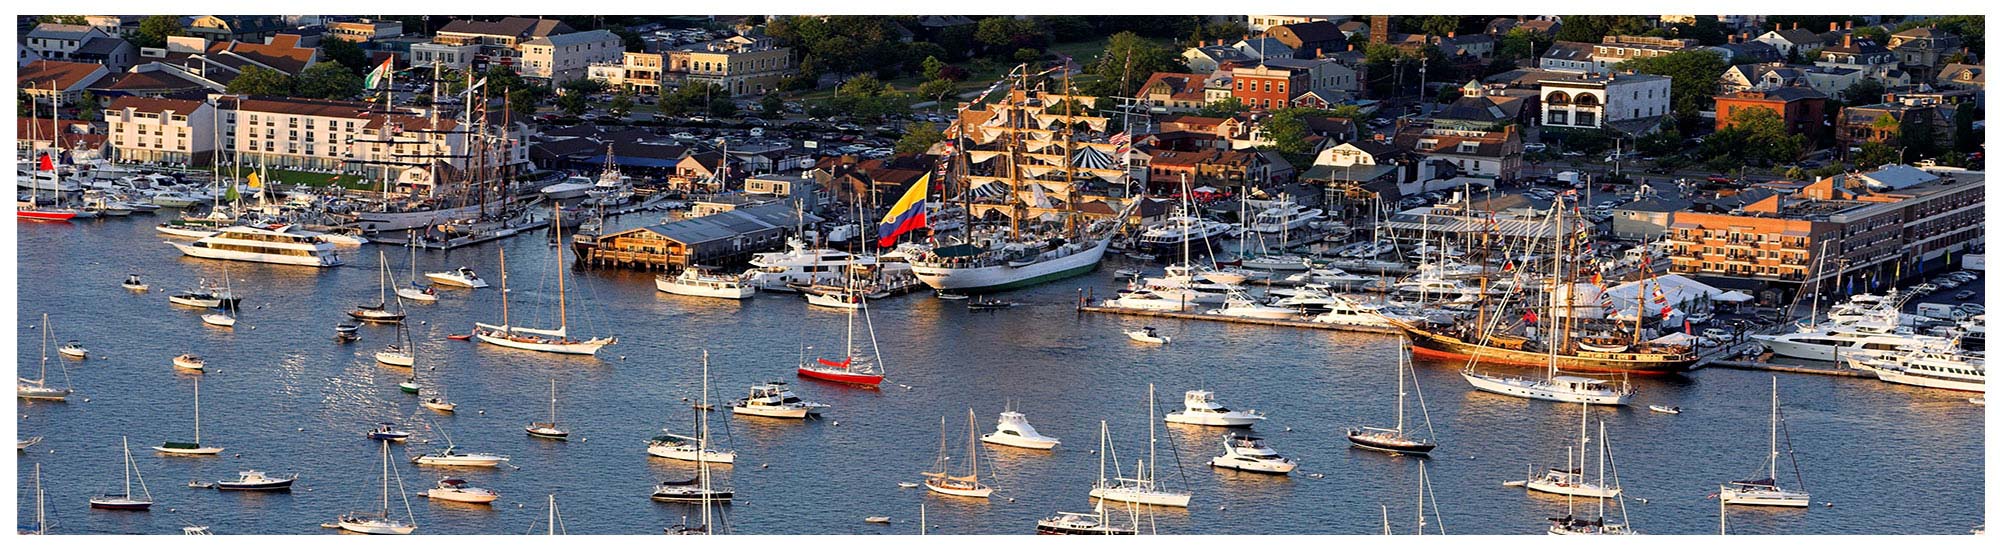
<point x="968" y="485"/>
<point x="775" y="400"/>
<point x="1570" y="480"/>
<point x="1081" y="523"/>
<point x="1330" y="276"/>
<point x="253" y="480"/>
<point x="569" y="188"/>
<point x="691" y="490"/>
<point x="127" y="500"/>
<point x="974" y="269"/>
<point x="1251" y="454"/>
<point x="1203" y="410"/>
<point x="1147" y="300"/>
<point x="1014" y="431"/>
<point x="1239" y="305"/>
<point x="1145" y="486"/>
<point x="695" y="282"/>
<point x="681" y="447"/>
<point x="1831" y="342"/>
<point x="1931" y="366"/>
<point x="1344" y="311"/>
<point x="1183" y="233"/>
<point x="1278" y="262"/>
<point x="804" y="266"/>
<point x="1564" y="388"/>
<point x="1284" y="216"/>
<point x="613" y="187"/>
<point x="451" y="457"/>
<point x="458" y="490"/>
<point x="257" y="244"/>
<point x="189" y="361"/>
<point x="462" y="277"/>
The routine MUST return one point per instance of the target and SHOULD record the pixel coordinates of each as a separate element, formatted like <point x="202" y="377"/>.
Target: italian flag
<point x="378" y="76"/>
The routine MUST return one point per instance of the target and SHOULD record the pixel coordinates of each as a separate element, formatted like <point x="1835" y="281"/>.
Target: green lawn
<point x="296" y="177"/>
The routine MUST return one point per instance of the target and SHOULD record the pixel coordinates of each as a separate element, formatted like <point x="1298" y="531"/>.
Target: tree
<point x="256" y="80"/>
<point x="1439" y="25"/>
<point x="1695" y="74"/>
<point x="721" y="107"/>
<point x="1222" y="108"/>
<point x="347" y="54"/>
<point x="631" y="40"/>
<point x="1593" y="28"/>
<point x="327" y="80"/>
<point x="1027" y="55"/>
<point x="1875" y="154"/>
<point x="865" y="85"/>
<point x="1517" y="44"/>
<point x="1006" y="34"/>
<point x="936" y="89"/>
<point x="1286" y="129"/>
<point x="154" y="30"/>
<point x="621" y="104"/>
<point x="1965" y="138"/>
<point x="63" y="19"/>
<point x="1765" y="137"/>
<point x="932" y="68"/>
<point x="1867" y="91"/>
<point x="772" y="104"/>
<point x="572" y="102"/>
<point x="89" y="108"/>
<point x="918" y="137"/>
<point x="1129" y="60"/>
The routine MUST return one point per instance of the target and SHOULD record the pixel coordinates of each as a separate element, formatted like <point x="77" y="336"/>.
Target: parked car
<point x="1963" y="295"/>
<point x="1718" y="334"/>
<point x="1534" y="147"/>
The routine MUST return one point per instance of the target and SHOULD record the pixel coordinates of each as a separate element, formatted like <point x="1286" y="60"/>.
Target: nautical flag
<point x="1529" y="317"/>
<point x="1510" y="266"/>
<point x="1659" y="297"/>
<point x="1597" y="278"/>
<point x="378" y="76"/>
<point x="907" y="214"/>
<point x="1666" y="311"/>
<point x="255" y="182"/>
<point x="45" y="163"/>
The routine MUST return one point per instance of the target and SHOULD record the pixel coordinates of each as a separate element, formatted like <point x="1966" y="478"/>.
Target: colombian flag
<point x="907" y="214"/>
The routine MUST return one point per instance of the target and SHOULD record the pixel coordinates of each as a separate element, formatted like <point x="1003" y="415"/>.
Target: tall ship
<point x="1566" y="338"/>
<point x="1030" y="156"/>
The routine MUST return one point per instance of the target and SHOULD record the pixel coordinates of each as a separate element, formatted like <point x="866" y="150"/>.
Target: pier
<point x="1775" y="367"/>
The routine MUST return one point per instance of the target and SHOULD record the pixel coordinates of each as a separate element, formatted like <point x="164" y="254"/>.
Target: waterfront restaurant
<point x="723" y="238"/>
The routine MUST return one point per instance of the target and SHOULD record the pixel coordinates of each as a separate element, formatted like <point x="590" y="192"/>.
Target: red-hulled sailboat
<point x="32" y="209"/>
<point x="862" y="371"/>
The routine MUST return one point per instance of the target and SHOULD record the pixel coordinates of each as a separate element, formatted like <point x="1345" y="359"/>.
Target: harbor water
<point x="280" y="395"/>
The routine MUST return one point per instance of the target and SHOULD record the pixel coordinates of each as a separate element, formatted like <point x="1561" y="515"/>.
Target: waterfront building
<point x="45" y="80"/>
<point x="467" y="43"/>
<point x="156" y="130"/>
<point x="722" y="238"/>
<point x="565" y="57"/>
<point x="640" y="72"/>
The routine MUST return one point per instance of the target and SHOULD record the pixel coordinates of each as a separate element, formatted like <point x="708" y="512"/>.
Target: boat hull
<point x="982" y="280"/>
<point x="1259" y="467"/>
<point x="198" y="451"/>
<point x="120" y="503"/>
<point x="721" y="497"/>
<point x="465" y="461"/>
<point x="1896" y="376"/>
<point x="980" y="491"/>
<point x="37" y="392"/>
<point x="469" y="497"/>
<point x="1532" y="389"/>
<point x="267" y="486"/>
<point x="1390" y="446"/>
<point x="573" y="348"/>
<point x="377" y="528"/>
<point x="1204" y="420"/>
<point x="414" y="294"/>
<point x="453" y="279"/>
<point x="1177" y="500"/>
<point x="841" y="376"/>
<point x="1738" y="497"/>
<point x="1584" y="490"/>
<point x="770" y="413"/>
<point x="1438" y="346"/>
<point x="687" y="454"/>
<point x="395" y="359"/>
<point x="739" y="292"/>
<point x="280" y="259"/>
<point x="1017" y="441"/>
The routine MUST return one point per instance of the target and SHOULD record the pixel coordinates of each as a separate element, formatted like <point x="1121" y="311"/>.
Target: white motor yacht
<point x="1146" y="300"/>
<point x="569" y="188"/>
<point x="1828" y="343"/>
<point x="458" y="490"/>
<point x="1192" y="233"/>
<point x="775" y="400"/>
<point x="1014" y="431"/>
<point x="1284" y="216"/>
<point x="680" y="447"/>
<point x="1202" y="409"/>
<point x="264" y="245"/>
<point x="804" y="266"/>
<point x="451" y="457"/>
<point x="462" y="277"/>
<point x="696" y="282"/>
<point x="1932" y="366"/>
<point x="1242" y="306"/>
<point x="1251" y="454"/>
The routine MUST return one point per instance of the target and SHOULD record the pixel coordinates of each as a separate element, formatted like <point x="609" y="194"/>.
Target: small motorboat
<point x="458" y="490"/>
<point x="347" y="332"/>
<point x="876" y="519"/>
<point x="1126" y="273"/>
<point x="1514" y="483"/>
<point x="451" y="457"/>
<point x="253" y="480"/>
<point x="982" y="304"/>
<point x="440" y="405"/>
<point x="1014" y="431"/>
<point x="1665" y="409"/>
<point x="73" y="349"/>
<point x="461" y="277"/>
<point x="133" y="283"/>
<point x="196" y="530"/>
<point x="942" y="295"/>
<point x="197" y="298"/>
<point x="189" y="361"/>
<point x="199" y="484"/>
<point x="410" y="386"/>
<point x="1251" y="454"/>
<point x="1148" y="335"/>
<point x="459" y="336"/>
<point x="906" y="484"/>
<point x="388" y="432"/>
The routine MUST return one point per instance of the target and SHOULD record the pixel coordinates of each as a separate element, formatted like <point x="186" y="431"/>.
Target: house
<point x="641" y="72"/>
<point x="565" y="57"/>
<point x="114" y="25"/>
<point x="47" y="80"/>
<point x="1328" y="74"/>
<point x="1492" y="154"/>
<point x="741" y="65"/>
<point x="1567" y="57"/>
<point x="1308" y="40"/>
<point x="1488" y="107"/>
<point x="161" y="131"/>
<point x="806" y="191"/>
<point x="244" y="28"/>
<point x="1601" y="100"/>
<point x="1260" y="23"/>
<point x="1207" y="59"/>
<point x="1802" y="109"/>
<point x="1792" y="41"/>
<point x="1923" y="49"/>
<point x="466" y="43"/>
<point x="722" y="238"/>
<point x="1962" y="76"/>
<point x="1470" y="46"/>
<point x="364" y="30"/>
<point x="1616" y="49"/>
<point x="1173" y="92"/>
<point x="1321" y="132"/>
<point x="1859" y="53"/>
<point x="1266" y="86"/>
<point x="1885" y="122"/>
<point x="1263" y="47"/>
<point x="157" y="80"/>
<point x="80" y="43"/>
<point x="1739" y="51"/>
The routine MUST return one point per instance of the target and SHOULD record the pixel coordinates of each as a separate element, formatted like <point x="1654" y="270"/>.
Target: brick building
<point x="1803" y="109"/>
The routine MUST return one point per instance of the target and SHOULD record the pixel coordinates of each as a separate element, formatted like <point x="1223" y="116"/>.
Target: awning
<point x="1733" y="296"/>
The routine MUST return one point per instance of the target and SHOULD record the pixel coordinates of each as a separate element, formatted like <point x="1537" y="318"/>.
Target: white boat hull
<point x="770" y="412"/>
<point x="219" y="320"/>
<point x="281" y="259"/>
<point x="682" y="453"/>
<point x="1583" y="490"/>
<point x="395" y="358"/>
<point x="1155" y="498"/>
<point x="738" y="292"/>
<point x="180" y="232"/>
<point x="1799" y="350"/>
<point x="1535" y="389"/>
<point x="1001" y="277"/>
<point x="377" y="528"/>
<point x="28" y="391"/>
<point x="1231" y="420"/>
<point x="588" y="347"/>
<point x="480" y="461"/>
<point x="454" y="279"/>
<point x="978" y="492"/>
<point x="1022" y="442"/>
<point x="1258" y="466"/>
<point x="1739" y="497"/>
<point x="200" y="451"/>
<point x="414" y="294"/>
<point x="832" y="301"/>
<point x="472" y="497"/>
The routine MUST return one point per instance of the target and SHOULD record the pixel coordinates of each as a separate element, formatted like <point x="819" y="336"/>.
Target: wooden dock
<point x="1794" y="369"/>
<point x="1240" y="320"/>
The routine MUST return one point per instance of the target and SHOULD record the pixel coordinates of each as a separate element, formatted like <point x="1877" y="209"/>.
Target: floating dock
<point x="1239" y="320"/>
<point x="1794" y="369"/>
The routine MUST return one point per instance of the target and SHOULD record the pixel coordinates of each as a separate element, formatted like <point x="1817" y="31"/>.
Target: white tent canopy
<point x="1681" y="293"/>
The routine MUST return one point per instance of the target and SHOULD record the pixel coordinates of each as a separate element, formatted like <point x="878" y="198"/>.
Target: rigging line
<point x="1791" y="452"/>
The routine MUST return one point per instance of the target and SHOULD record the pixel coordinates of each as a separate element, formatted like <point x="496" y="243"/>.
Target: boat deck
<point x="1242" y="320"/>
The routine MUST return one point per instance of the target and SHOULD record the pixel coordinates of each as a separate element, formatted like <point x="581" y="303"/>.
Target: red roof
<point x="63" y="74"/>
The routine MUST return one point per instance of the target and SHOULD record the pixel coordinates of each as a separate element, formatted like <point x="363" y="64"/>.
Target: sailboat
<point x="402" y="352"/>
<point x="380" y="523"/>
<point x="41" y="515"/>
<point x="1425" y="491"/>
<point x="1570" y="479"/>
<point x="227" y="317"/>
<point x="1569" y="524"/>
<point x="863" y="370"/>
<point x="681" y="447"/>
<point x="1096" y="522"/>
<point x="1396" y="440"/>
<point x="548" y="430"/>
<point x="126" y="501"/>
<point x="555" y="340"/>
<point x="451" y="457"/>
<point x="1766" y="491"/>
<point x="417" y="290"/>
<point x="39" y="387"/>
<point x="698" y="489"/>
<point x="380" y="313"/>
<point x="942" y="482"/>
<point x="1146" y="488"/>
<point x="177" y="448"/>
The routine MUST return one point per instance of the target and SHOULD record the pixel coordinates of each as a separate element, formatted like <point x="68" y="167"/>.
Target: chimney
<point x="1847" y="40"/>
<point x="1850" y="24"/>
<point x="1832" y="26"/>
<point x="1350" y="46"/>
<point x="1451" y="34"/>
<point x="1319" y="52"/>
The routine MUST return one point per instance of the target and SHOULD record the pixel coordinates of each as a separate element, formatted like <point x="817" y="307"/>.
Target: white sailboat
<point x="1569" y="524"/>
<point x="1096" y="522"/>
<point x="380" y="523"/>
<point x="692" y="448"/>
<point x="1571" y="480"/>
<point x="41" y="515"/>
<point x="699" y="489"/>
<point x="39" y="387"/>
<point x="968" y="485"/>
<point x="1766" y="491"/>
<point x="1146" y="488"/>
<point x="548" y="430"/>
<point x="402" y="352"/>
<point x="451" y="457"/>
<point x="226" y="317"/>
<point x="127" y="501"/>
<point x="555" y="340"/>
<point x="417" y="290"/>
<point x="177" y="448"/>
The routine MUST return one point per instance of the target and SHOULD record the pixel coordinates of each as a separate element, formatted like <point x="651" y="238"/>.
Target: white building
<point x="565" y="57"/>
<point x="1594" y="100"/>
<point x="159" y="130"/>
